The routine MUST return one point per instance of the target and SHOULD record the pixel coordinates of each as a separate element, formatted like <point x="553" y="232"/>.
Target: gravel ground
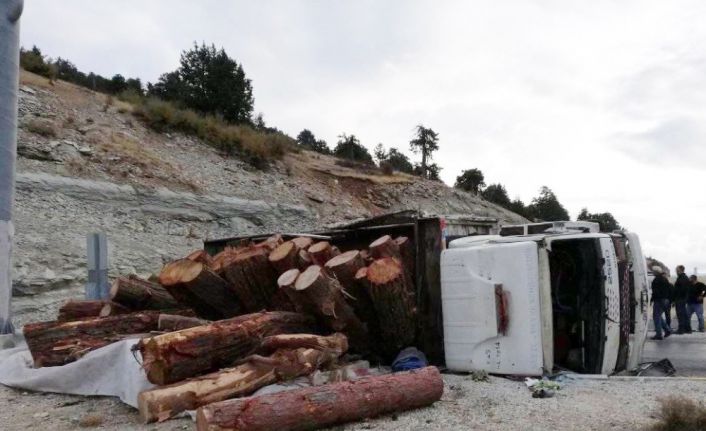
<point x="499" y="404"/>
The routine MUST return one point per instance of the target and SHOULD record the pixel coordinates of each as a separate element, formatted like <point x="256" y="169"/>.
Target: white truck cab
<point x="557" y="296"/>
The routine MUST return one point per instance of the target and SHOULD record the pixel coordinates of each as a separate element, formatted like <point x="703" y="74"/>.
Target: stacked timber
<point x="291" y="356"/>
<point x="174" y="356"/>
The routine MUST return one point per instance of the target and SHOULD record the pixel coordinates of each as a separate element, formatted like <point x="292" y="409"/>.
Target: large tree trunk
<point x="168" y="358"/>
<point x="324" y="406"/>
<point x="320" y="294"/>
<point x="58" y="343"/>
<point x="83" y="308"/>
<point x="300" y="356"/>
<point x="138" y="294"/>
<point x="322" y="252"/>
<point x="407" y="254"/>
<point x="393" y="304"/>
<point x="195" y="285"/>
<point x="344" y="267"/>
<point x="252" y="277"/>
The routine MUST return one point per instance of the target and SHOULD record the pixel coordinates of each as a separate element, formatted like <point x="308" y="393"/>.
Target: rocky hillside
<point x="87" y="164"/>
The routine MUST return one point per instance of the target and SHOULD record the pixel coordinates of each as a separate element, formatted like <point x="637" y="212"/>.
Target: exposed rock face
<point x="158" y="196"/>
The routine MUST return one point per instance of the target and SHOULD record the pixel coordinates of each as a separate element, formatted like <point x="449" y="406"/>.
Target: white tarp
<point x="112" y="370"/>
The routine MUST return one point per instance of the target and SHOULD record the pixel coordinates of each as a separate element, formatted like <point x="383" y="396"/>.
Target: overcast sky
<point x="602" y="101"/>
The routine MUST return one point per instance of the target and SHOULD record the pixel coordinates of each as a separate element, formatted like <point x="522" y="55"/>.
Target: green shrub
<point x="257" y="148"/>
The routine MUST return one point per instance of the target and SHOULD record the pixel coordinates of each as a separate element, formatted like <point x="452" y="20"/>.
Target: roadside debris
<point x="542" y="388"/>
<point x="214" y="329"/>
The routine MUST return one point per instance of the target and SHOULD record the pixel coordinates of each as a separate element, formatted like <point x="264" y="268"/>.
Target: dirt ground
<point x="499" y="404"/>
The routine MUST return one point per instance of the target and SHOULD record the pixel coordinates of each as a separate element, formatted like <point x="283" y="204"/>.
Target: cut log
<point x="58" y="343"/>
<point x="406" y="253"/>
<point x="285" y="257"/>
<point x="345" y="267"/>
<point x="195" y="285"/>
<point x="175" y="322"/>
<point x="321" y="252"/>
<point x="138" y="294"/>
<point x="201" y="256"/>
<point x="223" y="255"/>
<point x="324" y="406"/>
<point x="80" y="309"/>
<point x="113" y="309"/>
<point x="393" y="304"/>
<point x="318" y="293"/>
<point x="281" y="300"/>
<point x="255" y="372"/>
<point x="252" y="278"/>
<point x="304" y="259"/>
<point x="384" y="246"/>
<point x="168" y="358"/>
<point x="303" y="242"/>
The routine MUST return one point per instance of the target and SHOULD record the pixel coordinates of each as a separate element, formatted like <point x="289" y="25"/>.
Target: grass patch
<point x="42" y="126"/>
<point x="256" y="147"/>
<point x="680" y="414"/>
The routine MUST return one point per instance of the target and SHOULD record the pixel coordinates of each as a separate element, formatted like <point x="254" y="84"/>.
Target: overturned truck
<point x="523" y="300"/>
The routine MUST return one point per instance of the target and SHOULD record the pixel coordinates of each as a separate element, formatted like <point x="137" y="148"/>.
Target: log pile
<point x="213" y="328"/>
<point x="174" y="356"/>
<point x="292" y="356"/>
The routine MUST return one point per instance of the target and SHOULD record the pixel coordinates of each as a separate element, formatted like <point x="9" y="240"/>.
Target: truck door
<point x="491" y="308"/>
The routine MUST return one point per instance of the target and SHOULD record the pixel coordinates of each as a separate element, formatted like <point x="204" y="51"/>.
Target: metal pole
<point x="97" y="253"/>
<point x="10" y="11"/>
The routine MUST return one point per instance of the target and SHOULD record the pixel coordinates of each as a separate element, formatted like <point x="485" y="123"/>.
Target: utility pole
<point x="10" y="11"/>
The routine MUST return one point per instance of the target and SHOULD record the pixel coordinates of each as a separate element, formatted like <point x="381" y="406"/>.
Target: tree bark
<point x="270" y="243"/>
<point x="393" y="303"/>
<point x="175" y="322"/>
<point x="195" y="285"/>
<point x="345" y="267"/>
<point x="252" y="277"/>
<point x="324" y="406"/>
<point x="321" y="295"/>
<point x="58" y="343"/>
<point x="321" y="252"/>
<point x="168" y="358"/>
<point x="80" y="309"/>
<point x="138" y="294"/>
<point x="113" y="309"/>
<point x="384" y="246"/>
<point x="294" y="360"/>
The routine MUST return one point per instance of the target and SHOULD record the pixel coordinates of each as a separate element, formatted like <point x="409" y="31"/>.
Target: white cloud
<point x="602" y="101"/>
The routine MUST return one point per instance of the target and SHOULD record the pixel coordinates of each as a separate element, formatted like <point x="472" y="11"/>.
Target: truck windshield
<point x="576" y="268"/>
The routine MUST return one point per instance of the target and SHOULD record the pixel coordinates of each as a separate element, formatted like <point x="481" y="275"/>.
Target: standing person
<point x="696" y="301"/>
<point x="670" y="302"/>
<point x="681" y="293"/>
<point x="660" y="303"/>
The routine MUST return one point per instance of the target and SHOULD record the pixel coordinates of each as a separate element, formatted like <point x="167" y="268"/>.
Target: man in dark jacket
<point x="681" y="294"/>
<point x="660" y="303"/>
<point x="696" y="301"/>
